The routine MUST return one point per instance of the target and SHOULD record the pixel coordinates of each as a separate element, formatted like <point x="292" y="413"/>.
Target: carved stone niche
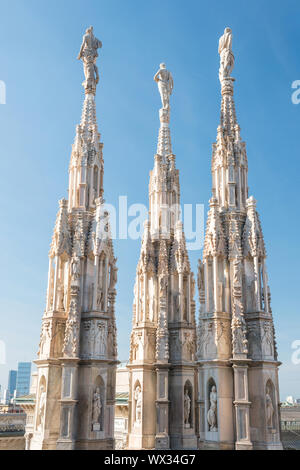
<point x="98" y="405"/>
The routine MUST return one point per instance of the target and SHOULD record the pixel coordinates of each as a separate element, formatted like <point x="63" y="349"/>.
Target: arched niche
<point x="270" y="403"/>
<point x="188" y="410"/>
<point x="98" y="404"/>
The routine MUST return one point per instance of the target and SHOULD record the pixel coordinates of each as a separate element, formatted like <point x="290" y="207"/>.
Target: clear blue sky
<point x="39" y="42"/>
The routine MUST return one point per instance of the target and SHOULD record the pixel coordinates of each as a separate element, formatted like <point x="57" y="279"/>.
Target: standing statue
<point x="138" y="404"/>
<point x="212" y="412"/>
<point x="75" y="268"/>
<point x="88" y="54"/>
<point x="226" y="55"/>
<point x="97" y="407"/>
<point x="237" y="273"/>
<point x="187" y="408"/>
<point x="270" y="409"/>
<point x="41" y="409"/>
<point x="113" y="275"/>
<point x="165" y="84"/>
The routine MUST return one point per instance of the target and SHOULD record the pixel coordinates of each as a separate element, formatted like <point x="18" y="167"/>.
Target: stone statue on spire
<point x="165" y="84"/>
<point x="226" y="55"/>
<point x="88" y="54"/>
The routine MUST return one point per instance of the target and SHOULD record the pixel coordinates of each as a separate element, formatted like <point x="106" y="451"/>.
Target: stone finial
<point x="88" y="54"/>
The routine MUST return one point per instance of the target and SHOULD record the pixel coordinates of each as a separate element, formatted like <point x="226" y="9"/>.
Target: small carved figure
<point x="138" y="404"/>
<point x="75" y="268"/>
<point x="187" y="408"/>
<point x="270" y="409"/>
<point x="41" y="409"/>
<point x="97" y="406"/>
<point x="212" y="412"/>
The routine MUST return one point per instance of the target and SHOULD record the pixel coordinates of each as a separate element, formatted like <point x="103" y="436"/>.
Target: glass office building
<point x="23" y="378"/>
<point x="12" y="382"/>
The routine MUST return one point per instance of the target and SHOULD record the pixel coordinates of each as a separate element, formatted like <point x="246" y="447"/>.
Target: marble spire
<point x="236" y="346"/>
<point x="77" y="354"/>
<point x="162" y="407"/>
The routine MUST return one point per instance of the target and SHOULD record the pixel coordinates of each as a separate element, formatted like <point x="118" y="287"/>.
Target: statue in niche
<point x="75" y="268"/>
<point x="113" y="276"/>
<point x="41" y="409"/>
<point x="51" y="289"/>
<point x="88" y="54"/>
<point x="177" y="303"/>
<point x="270" y="408"/>
<point x="100" y="298"/>
<point x="226" y="55"/>
<point x="237" y="273"/>
<point x="138" y="404"/>
<point x="165" y="84"/>
<point x="152" y="309"/>
<point x="60" y="297"/>
<point x="212" y="412"/>
<point x="97" y="408"/>
<point x="101" y="337"/>
<point x="193" y="285"/>
<point x="45" y="336"/>
<point x="90" y="297"/>
<point x="187" y="409"/>
<point x="163" y="286"/>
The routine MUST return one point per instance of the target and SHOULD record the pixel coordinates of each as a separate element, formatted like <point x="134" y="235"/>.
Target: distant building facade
<point x="23" y="378"/>
<point x="12" y="382"/>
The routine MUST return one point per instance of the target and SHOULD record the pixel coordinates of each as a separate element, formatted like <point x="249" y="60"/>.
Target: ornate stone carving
<point x="238" y="324"/>
<point x="71" y="341"/>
